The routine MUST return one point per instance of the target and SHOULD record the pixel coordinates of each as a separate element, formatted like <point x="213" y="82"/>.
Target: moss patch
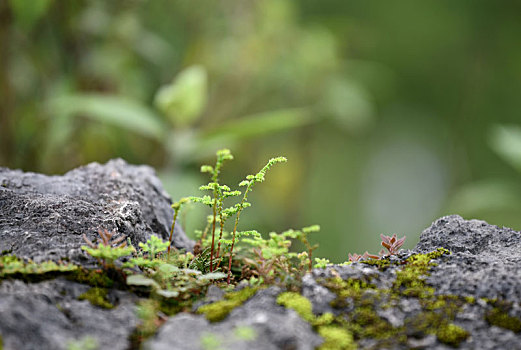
<point x="98" y="297"/>
<point x="219" y="310"/>
<point x="451" y="334"/>
<point x="336" y="338"/>
<point x="14" y="267"/>
<point x="95" y="278"/>
<point x="297" y="302"/>
<point x="363" y="299"/>
<point x="499" y="317"/>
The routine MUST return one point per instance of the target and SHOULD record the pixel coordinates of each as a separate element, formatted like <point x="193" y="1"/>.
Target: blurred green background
<point x="391" y="113"/>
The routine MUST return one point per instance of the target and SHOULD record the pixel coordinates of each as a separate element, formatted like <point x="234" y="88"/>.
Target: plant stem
<point x="241" y="206"/>
<point x="213" y="230"/>
<point x="176" y="211"/>
<point x="220" y="233"/>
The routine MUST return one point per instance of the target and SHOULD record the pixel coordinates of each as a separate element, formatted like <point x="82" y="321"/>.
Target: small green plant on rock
<point x="12" y="266"/>
<point x="109" y="249"/>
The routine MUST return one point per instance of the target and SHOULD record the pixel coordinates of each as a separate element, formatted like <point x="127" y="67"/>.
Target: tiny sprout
<point x="176" y="206"/>
<point x="392" y="244"/>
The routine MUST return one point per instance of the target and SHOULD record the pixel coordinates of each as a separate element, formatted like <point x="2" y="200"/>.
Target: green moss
<point x="13" y="267"/>
<point x="499" y="317"/>
<point x="470" y="300"/>
<point x="1" y="343"/>
<point x="219" y="310"/>
<point x="210" y="341"/>
<point x="298" y="303"/>
<point x="336" y="338"/>
<point x="245" y="333"/>
<point x="98" y="297"/>
<point x="410" y="280"/>
<point x="95" y="278"/>
<point x="363" y="297"/>
<point x="324" y="319"/>
<point x="451" y="334"/>
<point x="382" y="264"/>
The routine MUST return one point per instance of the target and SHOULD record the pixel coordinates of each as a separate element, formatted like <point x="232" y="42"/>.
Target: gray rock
<point x="485" y="260"/>
<point x="48" y="315"/>
<point x="259" y="324"/>
<point x="44" y="217"/>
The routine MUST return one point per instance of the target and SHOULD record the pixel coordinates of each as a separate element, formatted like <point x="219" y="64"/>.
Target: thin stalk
<point x="176" y="211"/>
<point x="220" y="233"/>
<point x="213" y="232"/>
<point x="250" y="185"/>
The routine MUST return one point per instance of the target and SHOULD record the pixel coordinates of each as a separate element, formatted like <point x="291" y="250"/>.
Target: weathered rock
<point x="259" y="324"/>
<point x="49" y="316"/>
<point x="44" y="217"/>
<point x="469" y="298"/>
<point x="485" y="260"/>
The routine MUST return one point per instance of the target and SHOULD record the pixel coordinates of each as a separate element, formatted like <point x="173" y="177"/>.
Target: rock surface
<point x="44" y="217"/>
<point x="48" y="315"/>
<point x="420" y="299"/>
<point x="259" y="324"/>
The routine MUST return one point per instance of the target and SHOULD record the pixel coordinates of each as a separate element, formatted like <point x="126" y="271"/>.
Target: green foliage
<point x="153" y="246"/>
<point x="109" y="249"/>
<point x="98" y="297"/>
<point x="116" y="110"/>
<point x="321" y="263"/>
<point x="184" y="99"/>
<point x="28" y="13"/>
<point x="147" y="310"/>
<point x="10" y="265"/>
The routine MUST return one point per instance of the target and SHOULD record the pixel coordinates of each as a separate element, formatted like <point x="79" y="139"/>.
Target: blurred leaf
<point x="168" y="293"/>
<point x="261" y="124"/>
<point x="505" y="140"/>
<point x="485" y="196"/>
<point x="185" y="98"/>
<point x="115" y="110"/>
<point x="28" y="12"/>
<point x="348" y="105"/>
<point x="140" y="280"/>
<point x="212" y="276"/>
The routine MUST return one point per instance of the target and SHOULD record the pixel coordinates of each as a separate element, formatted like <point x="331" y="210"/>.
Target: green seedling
<point x="109" y="249"/>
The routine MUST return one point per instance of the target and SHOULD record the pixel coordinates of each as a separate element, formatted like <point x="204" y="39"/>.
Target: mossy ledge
<point x="358" y="304"/>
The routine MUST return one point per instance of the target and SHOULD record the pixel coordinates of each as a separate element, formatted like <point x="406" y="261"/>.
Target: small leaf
<point x="505" y="140"/>
<point x="116" y="110"/>
<point x="168" y="268"/>
<point x="168" y="293"/>
<point x="184" y="99"/>
<point x="140" y="280"/>
<point x="212" y="276"/>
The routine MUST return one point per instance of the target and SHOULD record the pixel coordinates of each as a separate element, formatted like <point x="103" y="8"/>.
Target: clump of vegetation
<point x="98" y="297"/>
<point x="219" y="310"/>
<point x="109" y="249"/>
<point x="12" y="266"/>
<point x="498" y="316"/>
